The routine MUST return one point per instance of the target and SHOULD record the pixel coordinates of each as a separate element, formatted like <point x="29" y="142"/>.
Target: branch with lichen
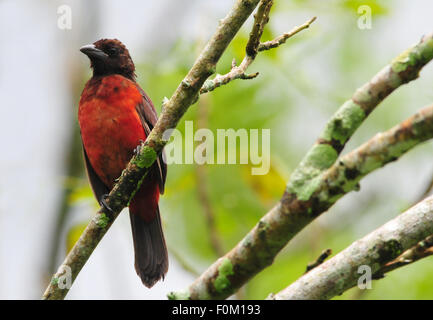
<point x="254" y="45"/>
<point x="353" y="112"/>
<point x="315" y="186"/>
<point x="174" y="108"/>
<point x="375" y="251"/>
<point x="421" y="250"/>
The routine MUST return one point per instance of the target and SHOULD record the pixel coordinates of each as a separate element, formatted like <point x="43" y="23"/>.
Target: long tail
<point x="151" y="258"/>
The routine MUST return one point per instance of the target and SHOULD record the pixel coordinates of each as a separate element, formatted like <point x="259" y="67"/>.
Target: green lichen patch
<point x="402" y="61"/>
<point x="370" y="164"/>
<point x="145" y="158"/>
<point x="396" y="150"/>
<point x="418" y="55"/>
<point x="351" y="185"/>
<point x="427" y="52"/>
<point x="319" y="158"/>
<point x="103" y="220"/>
<point x="303" y="181"/>
<point x="222" y="282"/>
<point x="136" y="189"/>
<point x="181" y="295"/>
<point x="344" y="123"/>
<point x="390" y="250"/>
<point x="322" y="156"/>
<point x="306" y="191"/>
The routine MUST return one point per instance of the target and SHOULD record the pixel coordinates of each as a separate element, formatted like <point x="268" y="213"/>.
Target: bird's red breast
<point x="115" y="115"/>
<point x="110" y="125"/>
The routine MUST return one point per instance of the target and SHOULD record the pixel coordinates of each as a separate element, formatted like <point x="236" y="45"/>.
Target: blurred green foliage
<point x="74" y="234"/>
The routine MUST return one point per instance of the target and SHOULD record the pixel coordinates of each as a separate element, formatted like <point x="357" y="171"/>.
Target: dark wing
<point x="98" y="187"/>
<point x="148" y="117"/>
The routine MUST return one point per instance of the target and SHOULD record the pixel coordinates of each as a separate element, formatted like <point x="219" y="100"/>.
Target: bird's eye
<point x="111" y="51"/>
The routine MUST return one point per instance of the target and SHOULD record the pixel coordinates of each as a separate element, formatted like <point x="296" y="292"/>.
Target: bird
<point x="115" y="116"/>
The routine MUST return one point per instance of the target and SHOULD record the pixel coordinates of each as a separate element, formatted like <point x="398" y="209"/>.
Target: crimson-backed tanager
<point x="115" y="116"/>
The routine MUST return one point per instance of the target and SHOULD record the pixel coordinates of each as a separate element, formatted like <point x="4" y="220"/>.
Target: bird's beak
<point x="92" y="52"/>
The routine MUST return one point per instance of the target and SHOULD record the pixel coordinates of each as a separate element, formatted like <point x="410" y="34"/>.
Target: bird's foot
<point x="138" y="148"/>
<point x="104" y="204"/>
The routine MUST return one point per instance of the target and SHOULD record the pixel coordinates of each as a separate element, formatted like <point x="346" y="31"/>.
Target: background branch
<point x="421" y="250"/>
<point x="375" y="250"/>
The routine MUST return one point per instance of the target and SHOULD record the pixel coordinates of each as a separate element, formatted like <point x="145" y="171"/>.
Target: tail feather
<point x="151" y="257"/>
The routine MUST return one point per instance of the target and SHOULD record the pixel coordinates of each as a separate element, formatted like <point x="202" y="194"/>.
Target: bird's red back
<point x="110" y="125"/>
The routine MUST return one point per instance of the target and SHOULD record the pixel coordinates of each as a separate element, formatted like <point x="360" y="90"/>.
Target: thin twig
<point x="252" y="48"/>
<point x="320" y="259"/>
<point x="421" y="250"/>
<point x="283" y="38"/>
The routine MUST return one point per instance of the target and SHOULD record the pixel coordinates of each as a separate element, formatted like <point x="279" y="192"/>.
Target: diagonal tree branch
<point x="174" y="108"/>
<point x="421" y="250"/>
<point x="308" y="194"/>
<point x="375" y="251"/>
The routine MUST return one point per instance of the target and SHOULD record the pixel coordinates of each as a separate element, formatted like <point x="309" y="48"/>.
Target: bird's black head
<point x="109" y="56"/>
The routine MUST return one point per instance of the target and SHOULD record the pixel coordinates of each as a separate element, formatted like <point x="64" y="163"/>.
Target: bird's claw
<point x="138" y="148"/>
<point x="104" y="203"/>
